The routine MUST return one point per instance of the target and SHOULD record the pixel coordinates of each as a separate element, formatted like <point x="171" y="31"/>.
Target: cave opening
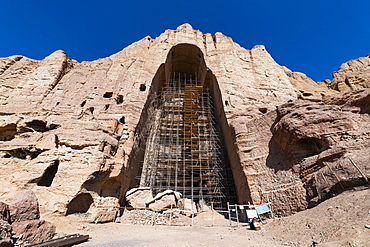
<point x="80" y="204"/>
<point x="184" y="142"/>
<point x="49" y="175"/>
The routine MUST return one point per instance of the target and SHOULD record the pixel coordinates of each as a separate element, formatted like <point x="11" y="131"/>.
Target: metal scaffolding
<point x="183" y="148"/>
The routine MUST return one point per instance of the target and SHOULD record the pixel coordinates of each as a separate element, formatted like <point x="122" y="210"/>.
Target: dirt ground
<point x="115" y="234"/>
<point x="343" y="220"/>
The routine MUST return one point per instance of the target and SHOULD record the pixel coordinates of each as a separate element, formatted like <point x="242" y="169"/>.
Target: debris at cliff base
<point x="20" y="221"/>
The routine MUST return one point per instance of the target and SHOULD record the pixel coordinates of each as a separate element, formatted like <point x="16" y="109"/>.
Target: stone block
<point x="104" y="209"/>
<point x="137" y="197"/>
<point x="164" y="200"/>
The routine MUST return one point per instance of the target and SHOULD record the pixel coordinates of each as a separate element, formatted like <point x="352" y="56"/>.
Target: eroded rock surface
<point x="308" y="155"/>
<point x="72" y="133"/>
<point x="353" y="75"/>
<point x="4" y="212"/>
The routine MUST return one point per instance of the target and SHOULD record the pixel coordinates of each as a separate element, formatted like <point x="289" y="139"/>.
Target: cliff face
<point x="70" y="131"/>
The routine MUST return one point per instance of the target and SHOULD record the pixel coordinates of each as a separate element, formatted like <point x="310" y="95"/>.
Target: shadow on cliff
<point x="129" y="175"/>
<point x="276" y="158"/>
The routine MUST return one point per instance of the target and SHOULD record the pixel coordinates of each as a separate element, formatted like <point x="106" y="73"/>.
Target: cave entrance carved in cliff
<point x="183" y="139"/>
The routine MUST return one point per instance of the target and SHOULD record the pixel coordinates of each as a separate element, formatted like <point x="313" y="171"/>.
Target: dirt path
<point x="115" y="234"/>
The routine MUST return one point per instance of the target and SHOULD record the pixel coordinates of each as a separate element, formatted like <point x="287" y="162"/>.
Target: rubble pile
<point x="166" y="208"/>
<point x="149" y="217"/>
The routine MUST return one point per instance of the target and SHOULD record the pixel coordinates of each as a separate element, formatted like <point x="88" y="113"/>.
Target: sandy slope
<point x="341" y="219"/>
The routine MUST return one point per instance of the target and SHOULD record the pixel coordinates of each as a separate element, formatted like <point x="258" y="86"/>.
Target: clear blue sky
<point x="313" y="37"/>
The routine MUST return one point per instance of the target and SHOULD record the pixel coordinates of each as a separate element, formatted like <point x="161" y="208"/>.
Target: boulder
<point x="102" y="215"/>
<point x="103" y="210"/>
<point x="164" y="200"/>
<point x="4" y="212"/>
<point x="24" y="206"/>
<point x="137" y="197"/>
<point x="33" y="231"/>
<point x="5" y="234"/>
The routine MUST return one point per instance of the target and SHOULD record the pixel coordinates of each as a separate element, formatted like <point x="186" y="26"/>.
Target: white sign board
<point x="251" y="213"/>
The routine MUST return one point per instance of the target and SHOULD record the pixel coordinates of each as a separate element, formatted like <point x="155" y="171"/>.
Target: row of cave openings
<point x="119" y="100"/>
<point x="107" y="95"/>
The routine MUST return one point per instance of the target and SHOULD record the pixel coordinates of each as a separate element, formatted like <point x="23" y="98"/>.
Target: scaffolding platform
<point x="183" y="146"/>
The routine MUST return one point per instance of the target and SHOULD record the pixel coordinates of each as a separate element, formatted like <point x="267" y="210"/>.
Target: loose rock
<point x="34" y="231"/>
<point x="164" y="200"/>
<point x="137" y="197"/>
<point x="24" y="207"/>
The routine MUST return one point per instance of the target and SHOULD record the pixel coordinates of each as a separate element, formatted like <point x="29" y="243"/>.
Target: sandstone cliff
<point x="70" y="131"/>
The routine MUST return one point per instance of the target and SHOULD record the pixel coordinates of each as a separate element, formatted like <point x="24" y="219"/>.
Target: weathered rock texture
<point x="137" y="197"/>
<point x="24" y="206"/>
<point x="6" y="236"/>
<point x="352" y="76"/>
<point x="166" y="199"/>
<point x="70" y="131"/>
<point x="307" y="158"/>
<point x="33" y="231"/>
<point x="20" y="223"/>
<point x="4" y="212"/>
